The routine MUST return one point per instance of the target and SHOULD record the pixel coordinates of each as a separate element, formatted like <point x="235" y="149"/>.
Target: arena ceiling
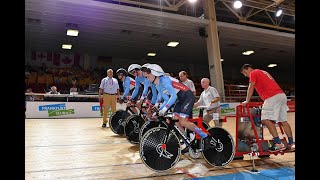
<point x="132" y="28"/>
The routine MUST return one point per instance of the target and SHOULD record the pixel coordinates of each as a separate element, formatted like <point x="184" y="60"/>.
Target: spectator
<point x="53" y="90"/>
<point x="73" y="89"/>
<point x="30" y="97"/>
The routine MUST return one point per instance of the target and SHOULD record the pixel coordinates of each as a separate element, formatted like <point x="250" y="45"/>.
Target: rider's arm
<point x="136" y="88"/>
<point x="159" y="97"/>
<point x="165" y="98"/>
<point x="154" y="94"/>
<point x="126" y="84"/>
<point x="145" y="89"/>
<point x="167" y="83"/>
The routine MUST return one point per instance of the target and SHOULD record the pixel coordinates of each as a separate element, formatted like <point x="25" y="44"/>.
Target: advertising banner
<point x="38" y="109"/>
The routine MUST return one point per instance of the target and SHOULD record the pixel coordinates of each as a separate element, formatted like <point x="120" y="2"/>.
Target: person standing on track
<point x="109" y="88"/>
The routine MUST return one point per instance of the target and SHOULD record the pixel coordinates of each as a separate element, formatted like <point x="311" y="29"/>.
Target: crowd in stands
<point x="41" y="78"/>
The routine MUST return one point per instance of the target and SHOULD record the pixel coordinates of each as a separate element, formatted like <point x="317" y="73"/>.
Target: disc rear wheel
<point x="117" y="121"/>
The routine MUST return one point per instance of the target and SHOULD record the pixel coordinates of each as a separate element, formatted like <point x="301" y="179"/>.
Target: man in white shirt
<point x="210" y="98"/>
<point x="184" y="79"/>
<point x="109" y="90"/>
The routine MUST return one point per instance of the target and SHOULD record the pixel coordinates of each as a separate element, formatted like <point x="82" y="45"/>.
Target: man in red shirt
<point x="274" y="106"/>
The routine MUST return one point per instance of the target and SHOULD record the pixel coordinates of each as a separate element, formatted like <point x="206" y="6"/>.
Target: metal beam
<point x="168" y="3"/>
<point x="259" y="5"/>
<point x="232" y="10"/>
<point x="267" y="25"/>
<point x="270" y="17"/>
<point x="147" y="5"/>
<point x="260" y="10"/>
<point x="180" y="3"/>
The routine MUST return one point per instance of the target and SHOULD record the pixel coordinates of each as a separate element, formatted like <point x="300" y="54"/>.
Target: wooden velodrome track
<point x="81" y="149"/>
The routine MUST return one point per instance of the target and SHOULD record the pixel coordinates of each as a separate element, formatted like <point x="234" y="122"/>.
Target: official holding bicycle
<point x="210" y="98"/>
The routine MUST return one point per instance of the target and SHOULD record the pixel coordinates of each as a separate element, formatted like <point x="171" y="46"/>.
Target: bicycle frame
<point x="217" y="150"/>
<point x="198" y="122"/>
<point x="171" y="126"/>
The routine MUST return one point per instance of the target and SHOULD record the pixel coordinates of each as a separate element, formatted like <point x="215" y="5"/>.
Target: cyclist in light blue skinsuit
<point x="171" y="90"/>
<point x="128" y="83"/>
<point x="141" y="81"/>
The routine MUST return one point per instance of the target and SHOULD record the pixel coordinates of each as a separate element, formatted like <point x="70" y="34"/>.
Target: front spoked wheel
<point x="218" y="147"/>
<point x="155" y="154"/>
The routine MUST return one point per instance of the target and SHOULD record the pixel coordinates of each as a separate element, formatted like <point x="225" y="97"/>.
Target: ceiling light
<point x="221" y="59"/>
<point x="66" y="46"/>
<point x="152" y="54"/>
<point x="247" y="53"/>
<point x="272" y="65"/>
<point x="72" y="32"/>
<point x="237" y="4"/>
<point x="279" y="12"/>
<point x="192" y="1"/>
<point x="173" y="44"/>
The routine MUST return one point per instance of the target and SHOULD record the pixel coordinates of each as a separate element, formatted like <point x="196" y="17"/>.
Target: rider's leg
<point x="183" y="120"/>
<point x="144" y="110"/>
<point x="177" y="117"/>
<point x="134" y="109"/>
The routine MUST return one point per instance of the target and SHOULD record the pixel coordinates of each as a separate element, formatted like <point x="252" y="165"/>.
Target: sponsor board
<point x="45" y="109"/>
<point x="226" y="109"/>
<point x="56" y="109"/>
<point x="97" y="108"/>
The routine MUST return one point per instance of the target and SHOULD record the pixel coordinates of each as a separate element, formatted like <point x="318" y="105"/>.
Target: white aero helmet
<point x="145" y="65"/>
<point x="156" y="70"/>
<point x="144" y="68"/>
<point x="133" y="66"/>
